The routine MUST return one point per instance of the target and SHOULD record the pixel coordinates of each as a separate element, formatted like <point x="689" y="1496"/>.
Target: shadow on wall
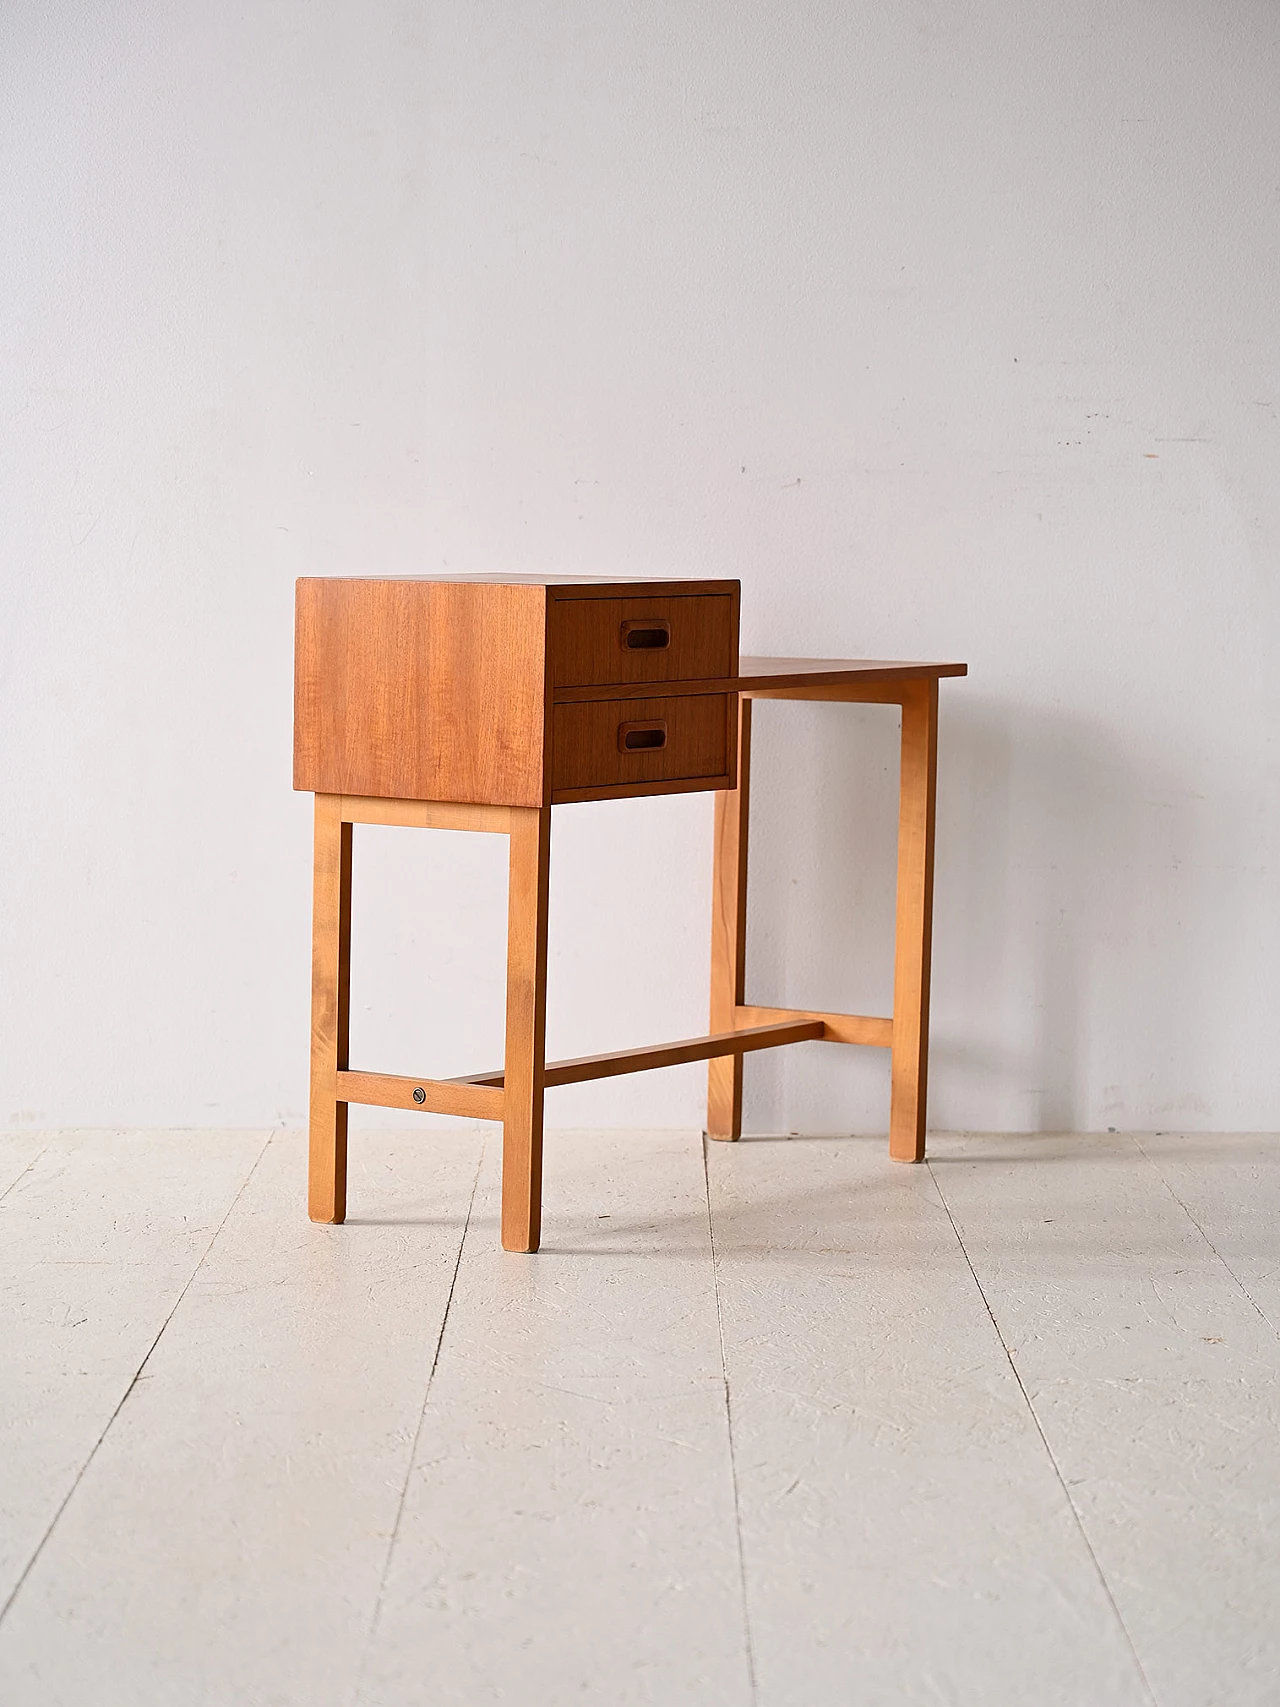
<point x="1073" y="932"/>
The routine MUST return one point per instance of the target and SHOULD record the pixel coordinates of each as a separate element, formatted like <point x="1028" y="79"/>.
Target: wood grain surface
<point x="421" y="690"/>
<point x="586" y="637"/>
<point x="614" y="1062"/>
<point x="914" y="935"/>
<point x="330" y="1011"/>
<point x="729" y="934"/>
<point x="525" y="1060"/>
<point x="585" y="751"/>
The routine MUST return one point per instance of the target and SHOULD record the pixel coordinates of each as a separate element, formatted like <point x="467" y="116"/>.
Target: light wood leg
<point x="914" y="935"/>
<point x="330" y="1011"/>
<point x="526" y="1028"/>
<point x="729" y="936"/>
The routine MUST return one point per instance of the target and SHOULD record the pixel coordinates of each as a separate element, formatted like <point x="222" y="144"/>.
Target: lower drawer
<point x="605" y="747"/>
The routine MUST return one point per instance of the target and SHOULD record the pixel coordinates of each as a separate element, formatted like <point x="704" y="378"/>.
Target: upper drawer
<point x="608" y="642"/>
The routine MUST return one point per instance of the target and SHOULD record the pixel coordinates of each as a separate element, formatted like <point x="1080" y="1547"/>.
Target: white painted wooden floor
<point x="785" y="1427"/>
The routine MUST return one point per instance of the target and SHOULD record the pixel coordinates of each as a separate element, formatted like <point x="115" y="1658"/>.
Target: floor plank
<point x="568" y="1534"/>
<point x="225" y="1546"/>
<point x="567" y="1531"/>
<point x="1155" y="1379"/>
<point x="907" y="1539"/>
<point x="98" y="1237"/>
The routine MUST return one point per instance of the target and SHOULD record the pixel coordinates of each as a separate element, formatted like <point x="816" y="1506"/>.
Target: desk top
<point x="755" y="673"/>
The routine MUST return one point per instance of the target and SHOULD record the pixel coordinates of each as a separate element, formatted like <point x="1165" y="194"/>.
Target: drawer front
<point x="604" y="642"/>
<point x="615" y="744"/>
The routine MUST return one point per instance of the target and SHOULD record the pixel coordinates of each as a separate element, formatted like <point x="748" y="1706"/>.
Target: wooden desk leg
<point x="729" y="936"/>
<point x="526" y="1028"/>
<point x="914" y="931"/>
<point x="330" y="1011"/>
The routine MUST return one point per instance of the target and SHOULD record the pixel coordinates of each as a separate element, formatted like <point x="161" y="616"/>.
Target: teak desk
<point x="481" y="703"/>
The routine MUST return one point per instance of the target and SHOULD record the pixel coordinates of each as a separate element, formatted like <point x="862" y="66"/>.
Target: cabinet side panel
<point x="420" y="690"/>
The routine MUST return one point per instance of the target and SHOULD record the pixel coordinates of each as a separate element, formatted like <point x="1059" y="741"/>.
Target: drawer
<point x="616" y="746"/>
<point x="608" y="642"/>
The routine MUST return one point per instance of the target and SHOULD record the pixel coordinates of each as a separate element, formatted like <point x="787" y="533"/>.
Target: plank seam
<point x="417" y="1435"/>
<point x="1160" y="1175"/>
<point x="728" y="1420"/>
<point x="15" y="1183"/>
<point x="1044" y="1441"/>
<point x="137" y="1376"/>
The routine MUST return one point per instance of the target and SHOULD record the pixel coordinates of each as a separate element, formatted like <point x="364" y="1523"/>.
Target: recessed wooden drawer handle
<point x="642" y="737"/>
<point x="645" y="634"/>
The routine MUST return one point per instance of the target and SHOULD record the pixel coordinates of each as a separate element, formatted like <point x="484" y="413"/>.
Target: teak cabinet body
<point x="514" y="692"/>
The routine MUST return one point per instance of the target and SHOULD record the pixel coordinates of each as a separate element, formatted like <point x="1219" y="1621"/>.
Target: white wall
<point x="952" y="329"/>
